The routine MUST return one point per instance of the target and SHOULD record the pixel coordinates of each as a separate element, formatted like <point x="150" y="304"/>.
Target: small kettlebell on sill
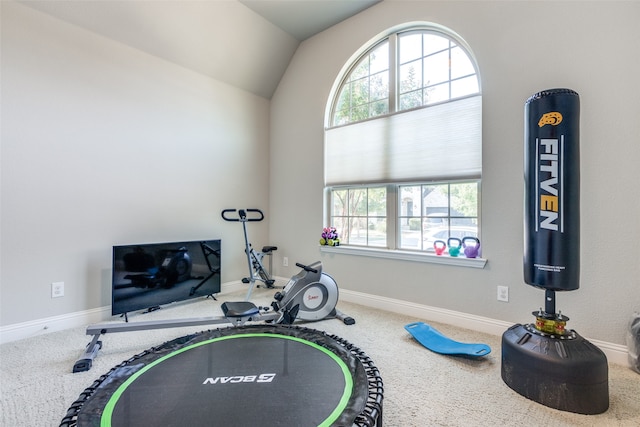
<point x="471" y="250"/>
<point x="439" y="246"/>
<point x="455" y="245"/>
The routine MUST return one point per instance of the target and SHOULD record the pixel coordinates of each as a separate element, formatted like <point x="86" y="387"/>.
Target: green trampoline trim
<point x="105" y="420"/>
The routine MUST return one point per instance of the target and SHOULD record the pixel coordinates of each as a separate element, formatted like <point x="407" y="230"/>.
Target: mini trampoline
<point x="271" y="375"/>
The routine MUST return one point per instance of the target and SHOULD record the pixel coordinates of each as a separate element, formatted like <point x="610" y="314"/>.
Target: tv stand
<point x="148" y="310"/>
<point x="207" y="251"/>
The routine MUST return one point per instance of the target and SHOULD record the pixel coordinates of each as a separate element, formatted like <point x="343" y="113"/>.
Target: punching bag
<point x="552" y="190"/>
<point x="545" y="361"/>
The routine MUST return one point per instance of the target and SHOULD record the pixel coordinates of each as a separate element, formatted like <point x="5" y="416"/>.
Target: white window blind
<point x="439" y="142"/>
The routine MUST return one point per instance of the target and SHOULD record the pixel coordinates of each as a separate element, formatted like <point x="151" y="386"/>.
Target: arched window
<point x="403" y="141"/>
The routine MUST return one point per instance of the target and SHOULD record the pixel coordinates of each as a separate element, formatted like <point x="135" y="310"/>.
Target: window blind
<point x="439" y="142"/>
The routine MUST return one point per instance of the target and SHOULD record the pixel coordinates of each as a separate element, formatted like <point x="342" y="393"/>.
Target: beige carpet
<point x="421" y="388"/>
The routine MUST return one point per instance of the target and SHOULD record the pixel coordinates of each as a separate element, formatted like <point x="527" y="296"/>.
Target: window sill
<point x="405" y="256"/>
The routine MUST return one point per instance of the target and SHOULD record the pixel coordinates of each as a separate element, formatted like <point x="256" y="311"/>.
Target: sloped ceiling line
<point x="245" y="43"/>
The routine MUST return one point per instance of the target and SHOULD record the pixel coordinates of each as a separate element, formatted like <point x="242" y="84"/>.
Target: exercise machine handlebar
<point x="244" y="215"/>
<point x="306" y="268"/>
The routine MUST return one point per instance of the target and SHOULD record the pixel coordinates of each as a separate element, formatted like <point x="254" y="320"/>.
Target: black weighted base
<point x="566" y="373"/>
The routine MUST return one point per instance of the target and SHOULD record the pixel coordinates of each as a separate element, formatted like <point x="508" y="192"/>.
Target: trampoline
<point x="272" y="375"/>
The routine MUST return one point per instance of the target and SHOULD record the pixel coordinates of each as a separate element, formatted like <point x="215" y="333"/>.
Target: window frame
<point x="393" y="217"/>
<point x="391" y="36"/>
<point x="392" y="251"/>
<point x="347" y="221"/>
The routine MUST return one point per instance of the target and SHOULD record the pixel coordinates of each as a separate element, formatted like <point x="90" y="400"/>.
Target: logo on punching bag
<point x="549" y="173"/>
<point x="553" y="118"/>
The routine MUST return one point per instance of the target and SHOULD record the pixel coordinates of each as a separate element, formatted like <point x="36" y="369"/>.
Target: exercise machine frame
<point x="257" y="272"/>
<point x="287" y="306"/>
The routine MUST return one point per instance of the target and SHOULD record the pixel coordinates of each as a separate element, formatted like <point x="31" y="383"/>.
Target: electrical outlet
<point x="503" y="293"/>
<point x="285" y="261"/>
<point x="57" y="289"/>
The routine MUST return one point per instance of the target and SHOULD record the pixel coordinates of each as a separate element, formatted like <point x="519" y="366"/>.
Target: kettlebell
<point x="454" y="250"/>
<point x="439" y="246"/>
<point x="471" y="250"/>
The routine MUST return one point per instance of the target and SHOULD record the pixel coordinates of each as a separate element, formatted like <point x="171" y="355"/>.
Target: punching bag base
<point x="566" y="374"/>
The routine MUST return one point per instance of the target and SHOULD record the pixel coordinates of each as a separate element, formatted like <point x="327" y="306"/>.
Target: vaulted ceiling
<point x="245" y="43"/>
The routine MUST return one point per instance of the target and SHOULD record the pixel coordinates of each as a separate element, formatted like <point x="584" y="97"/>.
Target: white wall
<point x="103" y="144"/>
<point x="521" y="48"/>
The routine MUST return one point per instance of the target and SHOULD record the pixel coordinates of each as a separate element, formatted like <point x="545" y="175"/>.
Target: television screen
<point x="149" y="275"/>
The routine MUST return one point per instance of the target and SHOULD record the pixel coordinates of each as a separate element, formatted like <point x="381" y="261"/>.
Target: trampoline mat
<point x="261" y="374"/>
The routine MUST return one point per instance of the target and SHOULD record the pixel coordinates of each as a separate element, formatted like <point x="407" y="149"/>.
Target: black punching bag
<point x="552" y="190"/>
<point x="546" y="362"/>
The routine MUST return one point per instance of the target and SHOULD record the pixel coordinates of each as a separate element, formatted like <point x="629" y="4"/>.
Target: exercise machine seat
<point x="239" y="309"/>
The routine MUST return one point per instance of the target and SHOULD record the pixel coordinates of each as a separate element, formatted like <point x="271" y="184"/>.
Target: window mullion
<point x="393" y="72"/>
<point x="393" y="222"/>
<point x="450" y="90"/>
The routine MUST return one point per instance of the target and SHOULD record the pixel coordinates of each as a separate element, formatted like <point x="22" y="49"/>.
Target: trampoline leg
<point x="86" y="360"/>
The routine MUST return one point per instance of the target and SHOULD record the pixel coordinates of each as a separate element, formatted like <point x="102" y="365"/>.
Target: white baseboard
<point x="615" y="353"/>
<point x="33" y="328"/>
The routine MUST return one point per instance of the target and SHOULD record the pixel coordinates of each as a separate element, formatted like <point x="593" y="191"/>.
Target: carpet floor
<point x="422" y="388"/>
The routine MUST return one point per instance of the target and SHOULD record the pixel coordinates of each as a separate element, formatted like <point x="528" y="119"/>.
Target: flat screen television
<point x="146" y="276"/>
